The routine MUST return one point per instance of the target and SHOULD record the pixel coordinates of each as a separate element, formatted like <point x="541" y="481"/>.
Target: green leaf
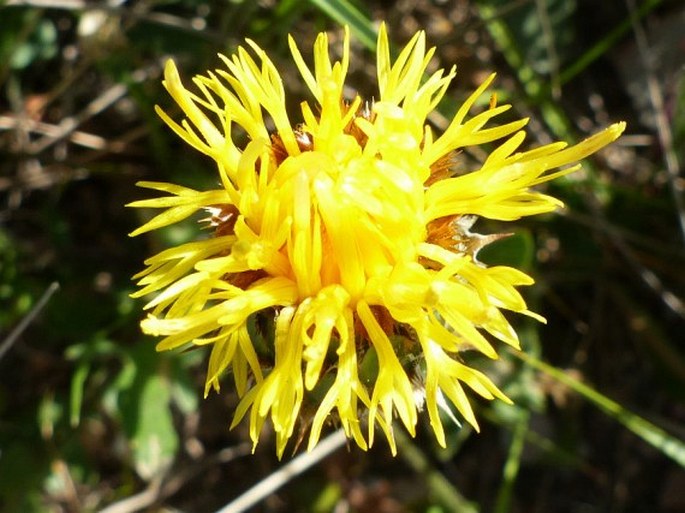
<point x="143" y="395"/>
<point x="155" y="440"/>
<point x="346" y="13"/>
<point x="97" y="349"/>
<point x="184" y="393"/>
<point x="41" y="45"/>
<point x="78" y="381"/>
<point x="49" y="414"/>
<point x="518" y="251"/>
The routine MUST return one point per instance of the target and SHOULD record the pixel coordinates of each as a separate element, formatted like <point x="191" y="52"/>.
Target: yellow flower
<point x="341" y="274"/>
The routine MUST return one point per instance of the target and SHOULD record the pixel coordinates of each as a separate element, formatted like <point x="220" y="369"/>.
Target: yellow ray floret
<point x="341" y="274"/>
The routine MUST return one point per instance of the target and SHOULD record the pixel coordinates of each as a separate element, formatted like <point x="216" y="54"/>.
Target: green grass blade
<point x="444" y="492"/>
<point x="536" y="89"/>
<point x="650" y="433"/>
<point x="346" y="13"/>
<point x="512" y="465"/>
<point x="76" y="392"/>
<point x="604" y="44"/>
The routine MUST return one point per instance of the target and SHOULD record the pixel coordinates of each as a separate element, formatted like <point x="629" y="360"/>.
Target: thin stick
<point x="109" y="97"/>
<point x="28" y="318"/>
<point x="163" y="487"/>
<point x="81" y="138"/>
<point x="70" y="124"/>
<point x="287" y="472"/>
<point x="49" y="4"/>
<point x="663" y="127"/>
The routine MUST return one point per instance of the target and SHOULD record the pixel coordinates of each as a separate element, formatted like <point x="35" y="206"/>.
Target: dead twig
<point x="163" y="487"/>
<point x="287" y="472"/>
<point x="69" y="125"/>
<point x="28" y="319"/>
<point x="663" y="128"/>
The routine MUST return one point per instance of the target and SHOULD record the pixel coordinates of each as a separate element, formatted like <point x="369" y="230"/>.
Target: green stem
<point x="444" y="491"/>
<point x="512" y="465"/>
<point x="650" y="433"/>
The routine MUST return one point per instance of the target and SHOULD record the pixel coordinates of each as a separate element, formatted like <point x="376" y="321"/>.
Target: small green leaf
<point x="184" y="393"/>
<point x="518" y="251"/>
<point x="368" y="368"/>
<point x="155" y="440"/>
<point x="78" y="381"/>
<point x="41" y="45"/>
<point x="49" y="414"/>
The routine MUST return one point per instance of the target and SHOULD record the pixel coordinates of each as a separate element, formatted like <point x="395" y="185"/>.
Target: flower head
<point x="341" y="270"/>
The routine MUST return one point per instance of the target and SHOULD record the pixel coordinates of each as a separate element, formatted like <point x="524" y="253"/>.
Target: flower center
<point x="351" y="209"/>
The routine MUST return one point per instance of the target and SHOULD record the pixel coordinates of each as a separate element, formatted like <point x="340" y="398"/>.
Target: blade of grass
<point x="444" y="491"/>
<point x="663" y="123"/>
<point x="535" y="88"/>
<point x="655" y="436"/>
<point x="512" y="465"/>
<point x="542" y="9"/>
<point x="76" y="392"/>
<point x="604" y="44"/>
<point x="346" y="13"/>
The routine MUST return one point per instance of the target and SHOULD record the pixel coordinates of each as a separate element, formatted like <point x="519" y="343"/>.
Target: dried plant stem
<point x="287" y="472"/>
<point x="28" y="319"/>
<point x="663" y="126"/>
<point x="163" y="487"/>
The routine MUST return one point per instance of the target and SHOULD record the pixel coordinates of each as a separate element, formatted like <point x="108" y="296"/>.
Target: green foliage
<point x="515" y="250"/>
<point x="348" y="13"/>
<point x="14" y="299"/>
<point x="25" y="38"/>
